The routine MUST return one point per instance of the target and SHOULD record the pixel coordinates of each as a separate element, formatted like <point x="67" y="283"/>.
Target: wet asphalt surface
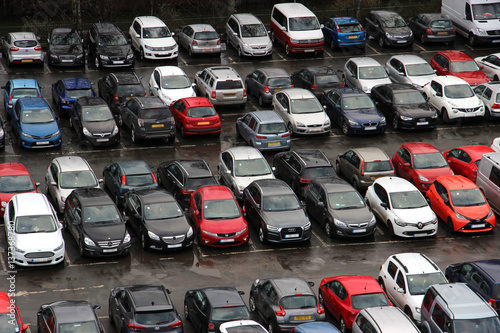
<point x="92" y="279"/>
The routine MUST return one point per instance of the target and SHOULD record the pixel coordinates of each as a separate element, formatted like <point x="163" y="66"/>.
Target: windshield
<point x="298" y="302"/>
<point x="111" y="40"/>
<point x="77" y="93"/>
<point x="78" y="327"/>
<point x="351" y="27"/>
<point x="327" y="79"/>
<point x="16" y="184"/>
<point x="250" y="168"/>
<point x="305" y="105"/>
<point x="273" y="203"/>
<point x="201" y="111"/>
<point x="8" y="324"/>
<point x="96" y="113"/>
<point x="458" y="91"/>
<point x="463" y="66"/>
<point x="345" y="200"/>
<point x="357" y="102"/>
<point x="378" y="166"/>
<point x="392" y="21"/>
<point x="279" y="81"/>
<point x="25" y="92"/>
<point x="367" y="300"/>
<point x="442" y="23"/>
<point x="372" y="73"/>
<point x="175" y="82"/>
<point x="66" y="39"/>
<point x="407" y="200"/>
<point x="131" y="89"/>
<point x="103" y="213"/>
<point x="140" y="180"/>
<point x="162" y="210"/>
<point x="429" y="161"/>
<point x="418" y="283"/>
<point x="273" y="128"/>
<point x="221" y="209"/>
<point x="467" y="197"/>
<point x="159" y="32"/>
<point x="206" y="35"/>
<point x="303" y="23"/>
<point x="155" y="317"/>
<point x="37" y="116"/>
<point x="408" y="97"/>
<point x="481" y="325"/>
<point x="253" y="30"/>
<point x="489" y="11"/>
<point x="77" y="179"/>
<point x="230" y="313"/>
<point x="194" y="183"/>
<point x="34" y="224"/>
<point x="419" y="69"/>
<point x="326" y="171"/>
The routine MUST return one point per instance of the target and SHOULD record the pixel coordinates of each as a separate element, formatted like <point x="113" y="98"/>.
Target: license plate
<point x="273" y="144"/>
<point x="204" y="123"/>
<point x="229" y="95"/>
<point x="119" y="62"/>
<point x="277" y="90"/>
<point x="496" y="41"/>
<point x="230" y="240"/>
<point x="207" y="50"/>
<point x="27" y="60"/>
<point x="41" y="260"/>
<point x="477" y="226"/>
<point x="308" y="50"/>
<point x="173" y="246"/>
<point x="375" y="178"/>
<point x="129" y="98"/>
<point x="157" y="125"/>
<point x="401" y="41"/>
<point x="470" y="114"/>
<point x="102" y="140"/>
<point x="41" y="143"/>
<point x="164" y="54"/>
<point x="370" y="128"/>
<point x="109" y="250"/>
<point x="302" y="318"/>
<point x="357" y="231"/>
<point x="291" y="235"/>
<point x="422" y="123"/>
<point x="318" y="129"/>
<point x="442" y="33"/>
<point x="66" y="60"/>
<point x="352" y="37"/>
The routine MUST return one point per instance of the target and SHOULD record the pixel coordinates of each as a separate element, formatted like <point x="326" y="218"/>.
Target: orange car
<point x="460" y="203"/>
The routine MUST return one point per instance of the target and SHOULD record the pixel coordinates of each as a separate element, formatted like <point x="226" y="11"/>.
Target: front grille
<point x="309" y="41"/>
<point x="164" y="48"/>
<point x="102" y="135"/>
<point x="469" y="109"/>
<point x="360" y="225"/>
<point x="174" y="239"/>
<point x="314" y="126"/>
<point x="232" y="234"/>
<point x="117" y="58"/>
<point x="67" y="57"/>
<point x="291" y="231"/>
<point x="493" y="32"/>
<point x="258" y="47"/>
<point x="32" y="255"/>
<point x="370" y="124"/>
<point x="109" y="244"/>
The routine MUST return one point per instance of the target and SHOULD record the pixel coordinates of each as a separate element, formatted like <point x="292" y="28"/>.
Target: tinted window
<point x="206" y="35"/>
<point x="230" y="313"/>
<point x="25" y="43"/>
<point x="229" y="85"/>
<point x="281" y="203"/>
<point x="327" y="79"/>
<point x="352" y="27"/>
<point x="279" y="81"/>
<point x="102" y="213"/>
<point x="131" y="89"/>
<point x="162" y="210"/>
<point x="99" y="113"/>
<point x="311" y="173"/>
<point x="367" y="300"/>
<point x="25" y="92"/>
<point x="201" y="111"/>
<point x="298" y="302"/>
<point x="198" y="182"/>
<point x="71" y="38"/>
<point x="378" y="166"/>
<point x="77" y="93"/>
<point x="152" y="318"/>
<point x="140" y="180"/>
<point x="275" y="128"/>
<point x="111" y="40"/>
<point x="156" y="113"/>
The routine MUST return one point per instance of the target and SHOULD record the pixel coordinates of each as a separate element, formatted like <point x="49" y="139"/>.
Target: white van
<point x="476" y="20"/>
<point x="488" y="179"/>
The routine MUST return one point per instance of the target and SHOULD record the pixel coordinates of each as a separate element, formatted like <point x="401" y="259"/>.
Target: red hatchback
<point x="420" y="163"/>
<point x="14" y="179"/>
<point x="461" y="204"/>
<point x="465" y="160"/>
<point x="344" y="296"/>
<point x="195" y="116"/>
<point x="458" y="64"/>
<point x="217" y="217"/>
<point x="10" y="319"/>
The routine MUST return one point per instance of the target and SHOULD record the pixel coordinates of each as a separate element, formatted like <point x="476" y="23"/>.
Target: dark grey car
<point x="264" y="82"/>
<point x="388" y="28"/>
<point x="434" y="27"/>
<point x="274" y="209"/>
<point x="317" y="79"/>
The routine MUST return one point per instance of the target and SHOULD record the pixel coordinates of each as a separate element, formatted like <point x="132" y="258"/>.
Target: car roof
<point x="71" y="163"/>
<point x="455" y="55"/>
<point x="449" y="80"/>
<point x="126" y="77"/>
<point x="409" y="59"/>
<point x="170" y="70"/>
<point x="321" y="70"/>
<point x="149" y="297"/>
<point x="346" y="91"/>
<point x="201" y="27"/>
<point x="73" y="311"/>
<point x="62" y="31"/>
<point x="274" y="71"/>
<point x="491" y="267"/>
<point x="135" y="167"/>
<point x="197" y="101"/>
<point x="415" y="263"/>
<point x="76" y="83"/>
<point x="365" y="61"/>
<point x="91" y="101"/>
<point x="151" y="102"/>
<point x="107" y="27"/>
<point x="27" y="203"/>
<point x="396" y="184"/>
<point x="359" y="284"/>
<point x="317" y="327"/>
<point x="223" y="296"/>
<point x="294" y="9"/>
<point x="312" y="157"/>
<point x="298" y="93"/>
<point x="247" y="18"/>
<point x="153" y="195"/>
<point x="92" y="196"/>
<point x="398" y="86"/>
<point x="385" y="13"/>
<point x="333" y="184"/>
<point x="273" y="187"/>
<point x="244" y="153"/>
<point x="216" y="192"/>
<point x="436" y="16"/>
<point x="476" y="151"/>
<point x="224" y="72"/>
<point x="390" y="319"/>
<point x="370" y="154"/>
<point x="494" y="85"/>
<point x="33" y="103"/>
<point x="23" y="35"/>
<point x="344" y="20"/>
<point x="11" y="169"/>
<point x="291" y="285"/>
<point x="456" y="182"/>
<point x="151" y="21"/>
<point x="494" y="157"/>
<point x="420" y="147"/>
<point x="195" y="168"/>
<point x="267" y="116"/>
<point x="24" y="83"/>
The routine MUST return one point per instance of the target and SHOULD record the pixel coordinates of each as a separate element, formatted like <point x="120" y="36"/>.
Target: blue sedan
<point x="344" y="32"/>
<point x="35" y="123"/>
<point x="65" y="92"/>
<point x="353" y="111"/>
<point x="19" y="88"/>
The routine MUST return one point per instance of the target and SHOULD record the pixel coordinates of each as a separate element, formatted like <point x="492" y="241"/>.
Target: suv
<point x="383" y="319"/>
<point x="221" y="85"/>
<point x="248" y="35"/>
<point x="116" y="88"/>
<point x="264" y="82"/>
<point x="405" y="277"/>
<point x="389" y="28"/>
<point x="489" y="93"/>
<point x="108" y="47"/>
<point x="151" y="37"/>
<point x="284" y="303"/>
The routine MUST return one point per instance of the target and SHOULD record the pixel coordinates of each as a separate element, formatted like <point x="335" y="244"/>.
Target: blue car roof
<point x="490" y="267"/>
<point x="33" y="103"/>
<point x="344" y="20"/>
<point x="76" y="83"/>
<point x="24" y="83"/>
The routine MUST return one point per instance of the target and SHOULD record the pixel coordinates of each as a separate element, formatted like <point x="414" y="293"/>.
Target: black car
<point x="339" y="208"/>
<point x="96" y="224"/>
<point x="108" y="47"/>
<point x="207" y="308"/>
<point x="116" y="88"/>
<point x="93" y="122"/>
<point x="316" y="79"/>
<point x="68" y="316"/>
<point x="388" y="28"/>
<point x="273" y="208"/>
<point x="183" y="177"/>
<point x="147" y="118"/>
<point x="404" y="105"/>
<point x="433" y="27"/>
<point x="297" y="168"/>
<point x="158" y="219"/>
<point x="264" y="82"/>
<point x="144" y="308"/>
<point x="65" y="48"/>
<point x="2" y="135"/>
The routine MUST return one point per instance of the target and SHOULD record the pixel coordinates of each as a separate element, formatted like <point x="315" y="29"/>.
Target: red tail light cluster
<point x="362" y="172"/>
<point x="154" y="177"/>
<point x="38" y="48"/>
<point x="218" y="41"/>
<point x="195" y="42"/>
<point x="321" y="310"/>
<point x="244" y="93"/>
<point x="495" y="106"/>
<point x="135" y="327"/>
<point x="211" y="326"/>
<point x="185" y="192"/>
<point x="266" y="90"/>
<point x="176" y="324"/>
<point x="116" y="98"/>
<point x="140" y="122"/>
<point x="261" y="137"/>
<point x="314" y="86"/>
<point x="280" y="312"/>
<point x="428" y="31"/>
<point x="214" y="94"/>
<point x="493" y="303"/>
<point x="305" y="181"/>
<point x="286" y="135"/>
<point x="14" y="49"/>
<point x="124" y="180"/>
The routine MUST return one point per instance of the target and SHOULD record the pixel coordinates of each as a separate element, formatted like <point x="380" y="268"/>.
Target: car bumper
<point x="32" y="58"/>
<point x="411" y="231"/>
<point x="402" y="42"/>
<point x="66" y="108"/>
<point x="228" y="102"/>
<point x="98" y="141"/>
<point x="440" y="39"/>
<point x="467" y="226"/>
<point x="307" y="48"/>
<point x="40" y="143"/>
<point x="281" y="237"/>
<point x="119" y="63"/>
<point x="313" y="130"/>
<point x="171" y="244"/>
<point x="257" y="52"/>
<point x="66" y="61"/>
<point x="347" y="43"/>
<point x="487" y="39"/>
<point x="455" y="114"/>
<point x="273" y="145"/>
<point x="96" y="251"/>
<point x="157" y="134"/>
<point x="171" y="54"/>
<point x="214" y="241"/>
<point x="206" y="50"/>
<point x="52" y="258"/>
<point x="416" y="124"/>
<point x="353" y="232"/>
<point x="201" y="130"/>
<point x="367" y="129"/>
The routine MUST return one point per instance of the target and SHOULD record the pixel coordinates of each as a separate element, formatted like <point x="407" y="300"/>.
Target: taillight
<point x="495" y="106"/>
<point x="154" y="177"/>
<point x="116" y="98"/>
<point x="244" y="93"/>
<point x="362" y="29"/>
<point x="266" y="90"/>
<point x="178" y="323"/>
<point x="14" y="49"/>
<point x="428" y="31"/>
<point x="140" y="122"/>
<point x="321" y="310"/>
<point x="135" y="327"/>
<point x="185" y="192"/>
<point x="218" y="41"/>
<point x="10" y="100"/>
<point x="493" y="303"/>
<point x="286" y="135"/>
<point x="124" y="180"/>
<point x="292" y="330"/>
<point x="261" y="137"/>
<point x="145" y="94"/>
<point x="38" y="48"/>
<point x="280" y="312"/>
<point x="195" y="42"/>
<point x="305" y="181"/>
<point x="211" y="326"/>
<point x="314" y="86"/>
<point x="362" y="173"/>
<point x="213" y="94"/>
<point x="341" y="84"/>
<point x="293" y="86"/>
<point x="454" y="31"/>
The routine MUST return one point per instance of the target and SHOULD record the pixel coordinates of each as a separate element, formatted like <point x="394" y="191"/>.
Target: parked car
<point x="222" y="85"/>
<point x="151" y="37"/>
<point x="344" y="32"/>
<point x="157" y="219"/>
<point x="317" y="79"/>
<point x="353" y="111"/>
<point x="490" y="65"/>
<point x="315" y="327"/>
<point x="405" y="106"/>
<point x="10" y="315"/>
<point x="95" y="223"/>
<point x="66" y="91"/>
<point x="170" y="83"/>
<point x="388" y="28"/>
<point x="65" y="48"/>
<point x="489" y="94"/>
<point x="19" y="88"/>
<point x="410" y="69"/>
<point x="264" y="82"/>
<point x="117" y="88"/>
<point x="401" y="207"/>
<point x="31" y="223"/>
<point x="272" y="207"/>
<point x="292" y="303"/>
<point x="94" y="122"/>
<point x="14" y="179"/>
<point x="248" y="35"/>
<point x="2" y="135"/>
<point x="217" y="217"/>
<point x="345" y="295"/>
<point x="241" y="326"/>
<point x="264" y="130"/>
<point x="495" y="144"/>
<point x="364" y="73"/>
<point x="465" y="160"/>
<point x="199" y="39"/>
<point x="22" y="48"/>
<point x="459" y="64"/>
<point x="383" y="319"/>
<point x="68" y="316"/>
<point x="339" y="208"/>
<point x="433" y="27"/>
<point x="196" y="116"/>
<point x="108" y="47"/>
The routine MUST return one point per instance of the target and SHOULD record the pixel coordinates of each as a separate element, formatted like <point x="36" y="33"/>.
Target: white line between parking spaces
<point x="252" y="245"/>
<point x="168" y="258"/>
<point x="2" y="261"/>
<point x="94" y="263"/>
<point x="378" y="53"/>
<point x="328" y="54"/>
<point x="420" y="47"/>
<point x="26" y="293"/>
<point x="66" y="257"/>
<point x="279" y="55"/>
<point x="380" y="231"/>
<point x="319" y="238"/>
<point x="184" y="61"/>
<point x="254" y="107"/>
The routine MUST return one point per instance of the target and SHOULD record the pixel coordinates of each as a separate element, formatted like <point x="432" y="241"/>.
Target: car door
<point x="329" y="31"/>
<point x="333" y="106"/>
<point x="283" y="107"/>
<point x="350" y="77"/>
<point x="155" y="83"/>
<point x="403" y="163"/>
<point x="381" y="206"/>
<point x="242" y="125"/>
<point x="175" y="179"/>
<point x="17" y="119"/>
<point x="52" y="180"/>
<point x="348" y="165"/>
<point x="459" y="161"/>
<point x="251" y="81"/>
<point x="441" y="64"/>
<point x="291" y="169"/>
<point x="199" y="311"/>
<point x="185" y="37"/>
<point x="47" y="319"/>
<point x="77" y="117"/>
<point x="112" y="178"/>
<point x="129" y="114"/>
<point x="195" y="211"/>
<point x="136" y="35"/>
<point x="436" y="98"/>
<point x="252" y="204"/>
<point x="440" y="202"/>
<point x="313" y="197"/>
<point x="124" y="309"/>
<point x="389" y="279"/>
<point x="133" y="210"/>
<point x="201" y="85"/>
<point x="105" y="88"/>
<point x="250" y="131"/>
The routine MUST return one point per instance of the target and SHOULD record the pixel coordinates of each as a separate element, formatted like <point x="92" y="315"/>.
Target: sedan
<point x="364" y="73"/>
<point x="490" y="65"/>
<point x="317" y="79"/>
<point x="410" y="69"/>
<point x="242" y="326"/>
<point x="65" y="48"/>
<point x="465" y="160"/>
<point x="315" y="327"/>
<point x="461" y="204"/>
<point x="196" y="116"/>
<point x="389" y="28"/>
<point x="433" y="28"/>
<point x="69" y="316"/>
<point x="170" y="83"/>
<point x="19" y="88"/>
<point x="66" y="91"/>
<point x="199" y="39"/>
<point x="14" y="179"/>
<point x="22" y="48"/>
<point x="458" y="64"/>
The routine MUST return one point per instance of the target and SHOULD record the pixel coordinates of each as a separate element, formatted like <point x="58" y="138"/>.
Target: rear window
<point x="229" y="85"/>
<point x="352" y="27"/>
<point x="140" y="180"/>
<point x="25" y="43"/>
<point x="280" y="81"/>
<point x="199" y="182"/>
<point x="441" y="24"/>
<point x="230" y="313"/>
<point x="327" y="79"/>
<point x="77" y="93"/>
<point x="298" y="302"/>
<point x="378" y="166"/>
<point x="131" y="89"/>
<point x="275" y="128"/>
<point x="246" y="329"/>
<point x="368" y="300"/>
<point x="311" y="173"/>
<point x="206" y="35"/>
<point x="25" y="92"/>
<point x="156" y="113"/>
<point x="155" y="317"/>
<point x="201" y="111"/>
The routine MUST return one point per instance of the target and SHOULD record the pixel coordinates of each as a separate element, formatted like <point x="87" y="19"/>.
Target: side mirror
<point x="53" y="183"/>
<point x="406" y="165"/>
<point x="155" y="85"/>
<point x="193" y="85"/>
<point x="92" y="83"/>
<point x="168" y="291"/>
<point x="445" y="70"/>
<point x="137" y="216"/>
<point x="383" y="204"/>
<point x="284" y="29"/>
<point x="189" y="293"/>
<point x="235" y="33"/>
<point x="402" y="73"/>
<point x="37" y="38"/>
<point x="321" y="204"/>
<point x="310" y="283"/>
<point x="60" y="226"/>
<point x="100" y="181"/>
<point x="400" y="290"/>
<point x="244" y="210"/>
<point x="41" y="87"/>
<point x="439" y="94"/>
<point x="96" y="307"/>
<point x="26" y="326"/>
<point x="322" y="26"/>
<point x="229" y="172"/>
<point x="241" y="292"/>
<point x="481" y="67"/>
<point x="173" y="34"/>
<point x="37" y="184"/>
<point x="196" y="212"/>
<point x="137" y="36"/>
<point x="285" y="109"/>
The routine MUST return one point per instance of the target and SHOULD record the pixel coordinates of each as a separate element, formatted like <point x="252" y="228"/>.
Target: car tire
<point x="345" y="128"/>
<point x="328" y="229"/>
<point x="120" y="120"/>
<point x="141" y="54"/>
<point x="81" y="248"/>
<point x="261" y="100"/>
<point x="133" y="135"/>
<point x="144" y="241"/>
<point x="337" y="168"/>
<point x="446" y="117"/>
<point x="273" y="37"/>
<point x="355" y="184"/>
<point x="290" y="128"/>
<point x="422" y="39"/>
<point x="487" y="114"/>
<point x="71" y="125"/>
<point x="381" y="41"/>
<point x="390" y="229"/>
<point x="97" y="64"/>
<point x="449" y="223"/>
<point x="186" y="312"/>
<point x="262" y="235"/>
<point x="409" y="313"/>
<point x="251" y="303"/>
<point x="472" y="40"/>
<point x="240" y="54"/>
<point x="342" y="325"/>
<point x="183" y="133"/>
<point x="238" y="134"/>
<point x="270" y="326"/>
<point x="287" y="49"/>
<point x="332" y="45"/>
<point x="395" y="122"/>
<point x="344" y="81"/>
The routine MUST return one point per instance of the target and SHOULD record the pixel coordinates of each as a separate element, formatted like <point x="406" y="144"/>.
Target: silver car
<point x="22" y="47"/>
<point x="489" y="93"/>
<point x="411" y="69"/>
<point x="382" y="319"/>
<point x="222" y="85"/>
<point x="364" y="73"/>
<point x="248" y="35"/>
<point x="199" y="39"/>
<point x="64" y="174"/>
<point x="265" y="130"/>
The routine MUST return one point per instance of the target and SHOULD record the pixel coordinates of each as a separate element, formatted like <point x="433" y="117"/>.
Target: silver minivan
<point x="383" y="319"/>
<point x="248" y="35"/>
<point x="488" y="179"/>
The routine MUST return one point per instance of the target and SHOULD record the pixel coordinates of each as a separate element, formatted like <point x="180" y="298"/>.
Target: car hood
<point x="402" y="31"/>
<point x="354" y="215"/>
<point x="473" y="212"/>
<point x="465" y="103"/>
<point x="472" y="78"/>
<point x="367" y="85"/>
<point x="160" y="42"/>
<point x="224" y="226"/>
<point x="256" y="40"/>
<point x="100" y="126"/>
<point x="432" y="174"/>
<point x="243" y="182"/>
<point x="415" y="110"/>
<point x="415" y="215"/>
<point x="365" y="115"/>
<point x="41" y="241"/>
<point x="103" y="232"/>
<point x="307" y="34"/>
<point x="175" y="94"/>
<point x="311" y="118"/>
<point x="43" y="129"/>
<point x="121" y="50"/>
<point x="169" y="227"/>
<point x="286" y="219"/>
<point x="421" y="80"/>
<point x="66" y="49"/>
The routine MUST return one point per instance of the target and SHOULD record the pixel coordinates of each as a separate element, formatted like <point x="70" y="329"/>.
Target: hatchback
<point x="22" y="48"/>
<point x="489" y="94"/>
<point x="490" y="65"/>
<point x="65" y="48"/>
<point x="264" y="82"/>
<point x="383" y="319"/>
<point x="151" y="37"/>
<point x="317" y="79"/>
<point x="69" y="316"/>
<point x="117" y="88"/>
<point x="433" y="27"/>
<point x="196" y="116"/>
<point x="19" y="88"/>
<point x="344" y="32"/>
<point x="199" y="39"/>
<point x="248" y="35"/>
<point x="388" y="28"/>
<point x="465" y="160"/>
<point x="14" y="179"/>
<point x="222" y="85"/>
<point x="66" y="91"/>
<point x="458" y="64"/>
<point x="264" y="130"/>
<point x="364" y="73"/>
<point x="170" y="83"/>
<point x="10" y="318"/>
<point x="108" y="46"/>
<point x="410" y="69"/>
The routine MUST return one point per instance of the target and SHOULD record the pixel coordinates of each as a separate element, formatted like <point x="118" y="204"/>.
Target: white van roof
<point x="292" y="9"/>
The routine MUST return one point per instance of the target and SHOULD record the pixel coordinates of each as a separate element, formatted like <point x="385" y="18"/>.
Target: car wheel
<point x="390" y="228"/>
<point x="446" y="117"/>
<point x="487" y="114"/>
<point x="183" y="133"/>
<point x="270" y="326"/>
<point x="251" y="303"/>
<point x="332" y="45"/>
<point x="273" y="38"/>
<point x="328" y="229"/>
<point x="382" y="284"/>
<point x="409" y="313"/>
<point x="134" y="138"/>
<point x="287" y="49"/>
<point x="355" y="184"/>
<point x="262" y="235"/>
<point x="449" y="223"/>
<point x="345" y="128"/>
<point x="120" y="120"/>
<point x="472" y="40"/>
<point x="141" y="54"/>
<point x="158" y="177"/>
<point x="320" y="298"/>
<point x="261" y="100"/>
<point x="381" y="41"/>
<point x="495" y="78"/>
<point x="395" y="122"/>
<point x="343" y="327"/>
<point x="290" y="128"/>
<point x="240" y="54"/>
<point x="337" y="167"/>
<point x="144" y="241"/>
<point x="422" y="39"/>
<point x="344" y="80"/>
<point x="96" y="62"/>
<point x="186" y="312"/>
<point x="425" y="96"/>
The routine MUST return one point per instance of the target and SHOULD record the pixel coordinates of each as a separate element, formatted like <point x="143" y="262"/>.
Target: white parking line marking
<point x="26" y="293"/>
<point x="420" y="47"/>
<point x="279" y="54"/>
<point x="373" y="49"/>
<point x="2" y="261"/>
<point x="69" y="289"/>
<point x="66" y="257"/>
<point x="328" y="53"/>
<point x="184" y="61"/>
<point x="380" y="230"/>
<point x="319" y="238"/>
<point x="254" y="107"/>
<point x="169" y="258"/>
<point x="467" y="45"/>
<point x="94" y="263"/>
<point x="252" y="245"/>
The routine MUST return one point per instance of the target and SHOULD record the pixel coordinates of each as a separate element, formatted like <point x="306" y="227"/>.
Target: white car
<point x="489" y="93"/>
<point x="411" y="69"/>
<point x="491" y="65"/>
<point x="495" y="144"/>
<point x="170" y="83"/>
<point x="32" y="228"/>
<point x="151" y="37"/>
<point x="401" y="207"/>
<point x="242" y="326"/>
<point x="66" y="173"/>
<point x="364" y="73"/>
<point x="237" y="167"/>
<point x="453" y="98"/>
<point x="405" y="278"/>
<point x="301" y="111"/>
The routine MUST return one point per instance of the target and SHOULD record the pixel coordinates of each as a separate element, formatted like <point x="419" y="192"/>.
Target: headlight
<point x="490" y="214"/>
<point x="460" y="216"/>
<point x="80" y="55"/>
<point x="481" y="32"/>
<point x="373" y="220"/>
<point x="147" y="47"/>
<point x="400" y="222"/>
<point x="86" y="132"/>
<point x="59" y="247"/>
<point x="272" y="228"/>
<point x="306" y="226"/>
<point x="295" y="41"/>
<point x="326" y="123"/>
<point x="54" y="56"/>
<point x="388" y="35"/>
<point x="352" y="123"/>
<point x="55" y="134"/>
<point x="417" y="309"/>
<point x="241" y="231"/>
<point x="434" y="220"/>
<point x="130" y="56"/>
<point x="422" y="178"/>
<point x="126" y="239"/>
<point x="299" y="124"/>
<point x="103" y="57"/>
<point x="434" y="115"/>
<point x="411" y="33"/>
<point x="151" y="235"/>
<point x="27" y="135"/>
<point x="405" y="118"/>
<point x="383" y="120"/>
<point x="88" y="241"/>
<point x="322" y="39"/>
<point x="189" y="233"/>
<point x="19" y="250"/>
<point x="115" y="130"/>
<point x="2" y="132"/>
<point x="63" y="199"/>
<point x="339" y="223"/>
<point x="209" y="233"/>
